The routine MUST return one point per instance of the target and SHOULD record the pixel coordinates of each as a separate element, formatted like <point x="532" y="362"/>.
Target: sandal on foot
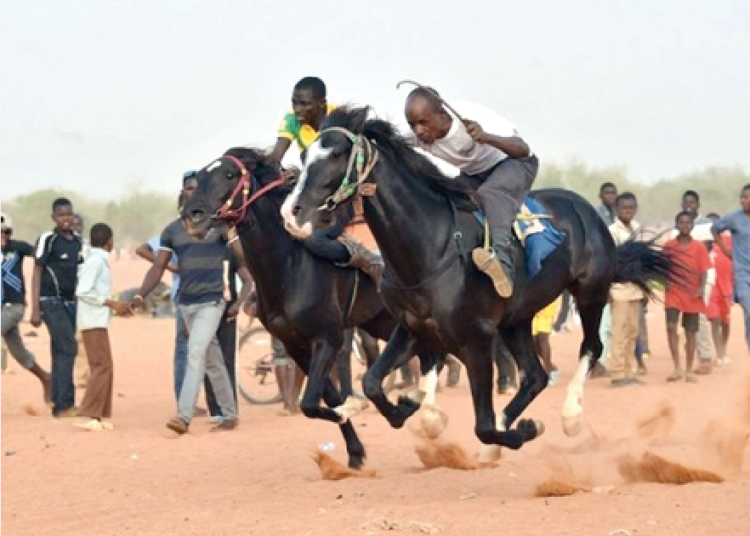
<point x="93" y="425"/>
<point x="675" y="376"/>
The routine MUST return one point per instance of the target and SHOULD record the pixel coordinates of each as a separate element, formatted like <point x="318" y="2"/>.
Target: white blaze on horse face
<point x="213" y="165"/>
<point x="314" y="153"/>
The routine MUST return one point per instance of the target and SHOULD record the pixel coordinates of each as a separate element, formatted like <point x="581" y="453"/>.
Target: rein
<point x="359" y="161"/>
<point x="233" y="216"/>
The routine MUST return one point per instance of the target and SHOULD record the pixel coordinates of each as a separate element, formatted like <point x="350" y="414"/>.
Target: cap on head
<point x="189" y="175"/>
<point x="7" y="223"/>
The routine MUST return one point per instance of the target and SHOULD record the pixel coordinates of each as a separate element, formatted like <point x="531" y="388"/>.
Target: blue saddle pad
<point x="538" y="236"/>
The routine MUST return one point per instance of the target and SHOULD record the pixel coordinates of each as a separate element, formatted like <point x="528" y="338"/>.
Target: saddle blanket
<point x="535" y="232"/>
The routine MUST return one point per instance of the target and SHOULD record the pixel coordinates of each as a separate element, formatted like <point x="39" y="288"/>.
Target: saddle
<point x="534" y="230"/>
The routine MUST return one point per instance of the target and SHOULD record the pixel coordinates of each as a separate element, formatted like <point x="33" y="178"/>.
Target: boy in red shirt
<point x="720" y="303"/>
<point x="685" y="300"/>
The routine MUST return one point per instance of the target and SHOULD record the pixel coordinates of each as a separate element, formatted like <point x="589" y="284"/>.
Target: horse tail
<point x="644" y="262"/>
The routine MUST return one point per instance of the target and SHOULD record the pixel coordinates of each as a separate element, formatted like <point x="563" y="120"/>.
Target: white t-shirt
<point x="459" y="149"/>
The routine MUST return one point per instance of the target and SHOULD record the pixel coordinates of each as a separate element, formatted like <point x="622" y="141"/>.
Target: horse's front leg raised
<point x="321" y="362"/>
<point x="399" y="349"/>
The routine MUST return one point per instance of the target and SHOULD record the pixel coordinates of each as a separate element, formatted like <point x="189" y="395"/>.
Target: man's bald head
<point x="428" y="96"/>
<point x="426" y="116"/>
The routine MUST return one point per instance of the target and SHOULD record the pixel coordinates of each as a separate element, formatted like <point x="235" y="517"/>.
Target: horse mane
<point x="262" y="170"/>
<point x="393" y="145"/>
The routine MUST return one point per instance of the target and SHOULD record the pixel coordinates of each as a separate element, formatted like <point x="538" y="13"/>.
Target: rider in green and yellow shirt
<point x="302" y="124"/>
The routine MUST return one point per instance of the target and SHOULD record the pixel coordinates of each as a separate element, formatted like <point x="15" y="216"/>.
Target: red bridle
<point x="233" y="216"/>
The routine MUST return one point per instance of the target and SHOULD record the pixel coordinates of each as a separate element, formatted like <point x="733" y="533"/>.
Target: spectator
<point x="14" y="303"/>
<point x="686" y="299"/>
<point x="202" y="305"/>
<point x="94" y="291"/>
<point x="720" y="304"/>
<point x="81" y="364"/>
<point x="541" y="328"/>
<point x="738" y="223"/>
<point x="624" y="300"/>
<point x="58" y="254"/>
<point x="691" y="203"/>
<point x="607" y="195"/>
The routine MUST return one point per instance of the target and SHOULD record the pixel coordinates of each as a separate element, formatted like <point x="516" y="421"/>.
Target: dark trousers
<point x="60" y="318"/>
<point x="227" y="335"/>
<point x="502" y="190"/>
<point x="97" y="402"/>
<point x="322" y="243"/>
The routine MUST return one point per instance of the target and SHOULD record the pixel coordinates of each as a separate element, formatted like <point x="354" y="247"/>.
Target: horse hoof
<point x="434" y="421"/>
<point x="530" y="428"/>
<point x="406" y="408"/>
<point x="489" y="454"/>
<point x="513" y="439"/>
<point x="572" y="426"/>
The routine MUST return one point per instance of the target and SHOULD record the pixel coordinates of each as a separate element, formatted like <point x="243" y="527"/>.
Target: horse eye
<point x="230" y="175"/>
<point x="337" y="153"/>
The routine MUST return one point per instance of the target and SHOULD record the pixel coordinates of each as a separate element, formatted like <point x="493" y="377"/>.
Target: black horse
<point x="304" y="301"/>
<point x="422" y="223"/>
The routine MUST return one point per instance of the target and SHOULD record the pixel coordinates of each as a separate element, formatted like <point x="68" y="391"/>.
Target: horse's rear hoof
<point x="572" y="426"/>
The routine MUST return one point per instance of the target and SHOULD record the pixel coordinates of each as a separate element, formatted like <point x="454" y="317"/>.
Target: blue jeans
<point x="742" y="296"/>
<point x="60" y="317"/>
<point x="205" y="358"/>
<point x="11" y="316"/>
<point x="180" y="352"/>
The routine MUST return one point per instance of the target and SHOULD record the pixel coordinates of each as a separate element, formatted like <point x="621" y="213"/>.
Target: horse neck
<point x="267" y="245"/>
<point x="409" y="221"/>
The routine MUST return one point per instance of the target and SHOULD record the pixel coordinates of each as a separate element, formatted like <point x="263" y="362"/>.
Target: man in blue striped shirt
<point x="200" y="300"/>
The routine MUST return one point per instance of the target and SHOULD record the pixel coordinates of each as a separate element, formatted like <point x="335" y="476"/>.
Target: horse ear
<point x="359" y="118"/>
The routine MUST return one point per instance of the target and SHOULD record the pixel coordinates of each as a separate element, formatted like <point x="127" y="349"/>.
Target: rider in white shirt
<point x="489" y="149"/>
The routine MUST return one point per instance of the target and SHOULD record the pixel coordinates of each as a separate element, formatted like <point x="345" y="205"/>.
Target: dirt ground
<point x="261" y="479"/>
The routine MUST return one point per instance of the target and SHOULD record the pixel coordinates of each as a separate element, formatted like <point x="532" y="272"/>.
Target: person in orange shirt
<point x="719" y="306"/>
<point x="685" y="300"/>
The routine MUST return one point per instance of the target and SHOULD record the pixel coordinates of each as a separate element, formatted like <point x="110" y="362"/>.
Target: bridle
<point x="233" y="216"/>
<point x="363" y="157"/>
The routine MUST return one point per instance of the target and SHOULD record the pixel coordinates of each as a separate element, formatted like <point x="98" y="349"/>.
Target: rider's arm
<point x="279" y="150"/>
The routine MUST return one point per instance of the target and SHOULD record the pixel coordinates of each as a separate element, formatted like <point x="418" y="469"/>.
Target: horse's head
<point x="223" y="193"/>
<point x="336" y="166"/>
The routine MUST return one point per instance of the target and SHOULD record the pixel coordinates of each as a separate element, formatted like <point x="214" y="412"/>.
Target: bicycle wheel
<point x="255" y="368"/>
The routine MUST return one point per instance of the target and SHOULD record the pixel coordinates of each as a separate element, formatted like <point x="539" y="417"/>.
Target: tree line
<point x="139" y="215"/>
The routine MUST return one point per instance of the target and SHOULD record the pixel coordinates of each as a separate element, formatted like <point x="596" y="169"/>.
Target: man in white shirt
<point x="489" y="149"/>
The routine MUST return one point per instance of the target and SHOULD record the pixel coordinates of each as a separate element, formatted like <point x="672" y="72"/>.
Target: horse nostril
<point x="197" y="215"/>
<point x="296" y="210"/>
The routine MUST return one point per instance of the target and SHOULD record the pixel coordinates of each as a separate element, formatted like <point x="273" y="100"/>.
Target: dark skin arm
<point x="513" y="146"/>
<point x="247" y="280"/>
<point x="152" y="278"/>
<point x="719" y="242"/>
<point x="279" y="150"/>
<point x="36" y="289"/>
<point x="145" y="252"/>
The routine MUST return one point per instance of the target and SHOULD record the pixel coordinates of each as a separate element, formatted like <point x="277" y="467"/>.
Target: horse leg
<point x="478" y="361"/>
<point x="434" y="419"/>
<point x="399" y="349"/>
<point x="323" y="357"/>
<point x="354" y="447"/>
<point x="590" y="307"/>
<point x="520" y="343"/>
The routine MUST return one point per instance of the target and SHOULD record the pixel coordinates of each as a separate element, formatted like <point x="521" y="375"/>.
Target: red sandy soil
<point x="261" y="478"/>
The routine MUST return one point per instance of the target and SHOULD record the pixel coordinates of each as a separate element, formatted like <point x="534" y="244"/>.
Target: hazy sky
<point x="105" y="96"/>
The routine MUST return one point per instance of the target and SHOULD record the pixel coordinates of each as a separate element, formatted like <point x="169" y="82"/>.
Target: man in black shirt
<point x="14" y="302"/>
<point x="58" y="254"/>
